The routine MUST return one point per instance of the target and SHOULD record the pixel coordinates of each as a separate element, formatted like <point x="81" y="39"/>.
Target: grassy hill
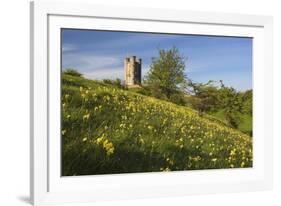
<point x="246" y="121"/>
<point x="107" y="130"/>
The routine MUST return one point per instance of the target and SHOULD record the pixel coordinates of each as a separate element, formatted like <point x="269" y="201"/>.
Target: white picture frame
<point x="47" y="186"/>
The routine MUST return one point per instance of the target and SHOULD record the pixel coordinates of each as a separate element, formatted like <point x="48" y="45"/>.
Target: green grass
<point x="245" y="124"/>
<point x="106" y="130"/>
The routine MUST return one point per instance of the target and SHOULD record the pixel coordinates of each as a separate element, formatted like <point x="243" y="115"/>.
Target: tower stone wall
<point x="132" y="68"/>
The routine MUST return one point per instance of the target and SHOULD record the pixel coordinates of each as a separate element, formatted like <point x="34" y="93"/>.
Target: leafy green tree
<point x="208" y="98"/>
<point x="205" y="96"/>
<point x="232" y="103"/>
<point x="166" y="75"/>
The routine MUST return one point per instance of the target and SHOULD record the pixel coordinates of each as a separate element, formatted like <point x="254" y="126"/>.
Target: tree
<point x="166" y="75"/>
<point x="205" y="96"/>
<point x="232" y="102"/>
<point x="209" y="97"/>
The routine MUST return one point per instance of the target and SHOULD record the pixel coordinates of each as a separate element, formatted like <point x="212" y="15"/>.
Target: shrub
<point x="117" y="82"/>
<point x="72" y="72"/>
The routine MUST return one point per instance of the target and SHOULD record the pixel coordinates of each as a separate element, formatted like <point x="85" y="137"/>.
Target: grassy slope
<point x="109" y="130"/>
<point x="245" y="124"/>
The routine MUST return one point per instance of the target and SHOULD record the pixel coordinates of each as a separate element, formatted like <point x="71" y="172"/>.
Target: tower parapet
<point x="132" y="68"/>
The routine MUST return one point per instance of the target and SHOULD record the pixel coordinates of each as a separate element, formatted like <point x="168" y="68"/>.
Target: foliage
<point x="232" y="103"/>
<point x="211" y="98"/>
<point x="116" y="82"/>
<point x="205" y="96"/>
<point x="72" y="72"/>
<point x="247" y="98"/>
<point x="166" y="75"/>
<point x="144" y="90"/>
<point x="245" y="125"/>
<point x="106" y="130"/>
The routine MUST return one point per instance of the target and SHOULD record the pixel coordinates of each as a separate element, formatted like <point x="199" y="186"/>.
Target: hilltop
<point x="106" y="129"/>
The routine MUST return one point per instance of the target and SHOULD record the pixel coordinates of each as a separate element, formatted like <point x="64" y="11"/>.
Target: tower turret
<point x="132" y="69"/>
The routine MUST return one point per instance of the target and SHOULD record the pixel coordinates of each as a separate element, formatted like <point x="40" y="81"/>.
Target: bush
<point x="72" y="72"/>
<point x="116" y="82"/>
<point x="233" y="118"/>
<point x="178" y="98"/>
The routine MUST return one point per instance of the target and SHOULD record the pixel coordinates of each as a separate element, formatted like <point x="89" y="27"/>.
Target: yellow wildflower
<point x="86" y="116"/>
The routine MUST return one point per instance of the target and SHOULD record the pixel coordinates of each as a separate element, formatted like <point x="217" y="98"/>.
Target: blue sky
<point x="100" y="54"/>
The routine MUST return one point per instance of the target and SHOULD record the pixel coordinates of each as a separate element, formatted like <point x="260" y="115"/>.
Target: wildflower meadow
<point x="108" y="130"/>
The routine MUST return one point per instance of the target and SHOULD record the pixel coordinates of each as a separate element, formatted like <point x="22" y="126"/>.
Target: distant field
<point x="107" y="130"/>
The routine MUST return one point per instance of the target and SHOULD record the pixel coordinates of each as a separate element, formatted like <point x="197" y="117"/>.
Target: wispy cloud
<point x="69" y="47"/>
<point x="90" y="62"/>
<point x="110" y="73"/>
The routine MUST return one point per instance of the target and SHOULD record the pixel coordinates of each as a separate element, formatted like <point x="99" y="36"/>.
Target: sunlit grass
<point x="106" y="130"/>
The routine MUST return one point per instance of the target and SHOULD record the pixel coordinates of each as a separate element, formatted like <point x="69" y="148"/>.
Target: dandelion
<point x="85" y="139"/>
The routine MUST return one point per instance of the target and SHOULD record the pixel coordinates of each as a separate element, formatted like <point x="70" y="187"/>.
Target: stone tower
<point x="132" y="72"/>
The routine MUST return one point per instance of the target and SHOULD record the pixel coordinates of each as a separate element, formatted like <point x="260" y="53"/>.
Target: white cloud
<point x="97" y="66"/>
<point x="90" y="62"/>
<point x="69" y="47"/>
<point x="111" y="73"/>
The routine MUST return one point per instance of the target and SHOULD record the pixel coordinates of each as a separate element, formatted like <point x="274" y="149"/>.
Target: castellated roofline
<point x="133" y="59"/>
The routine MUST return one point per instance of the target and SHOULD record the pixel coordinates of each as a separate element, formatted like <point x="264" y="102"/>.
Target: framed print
<point x="126" y="105"/>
